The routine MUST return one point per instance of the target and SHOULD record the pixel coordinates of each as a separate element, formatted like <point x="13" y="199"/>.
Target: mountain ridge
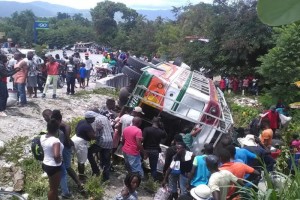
<point x="44" y="9"/>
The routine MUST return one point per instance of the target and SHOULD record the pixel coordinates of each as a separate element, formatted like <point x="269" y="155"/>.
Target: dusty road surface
<point x="28" y="121"/>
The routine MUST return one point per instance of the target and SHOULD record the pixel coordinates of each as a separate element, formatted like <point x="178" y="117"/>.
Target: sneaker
<point x="67" y="93"/>
<point x="67" y="196"/>
<point x="54" y="96"/>
<point x="3" y="114"/>
<point x="43" y="95"/>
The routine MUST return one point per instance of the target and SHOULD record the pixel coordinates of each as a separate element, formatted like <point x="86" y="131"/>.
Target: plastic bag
<point x="284" y="119"/>
<point x="162" y="194"/>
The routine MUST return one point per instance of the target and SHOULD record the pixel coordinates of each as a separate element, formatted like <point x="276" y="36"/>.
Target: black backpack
<point x="36" y="147"/>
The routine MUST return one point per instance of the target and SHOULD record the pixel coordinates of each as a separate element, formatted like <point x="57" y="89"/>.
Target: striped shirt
<point x="103" y="131"/>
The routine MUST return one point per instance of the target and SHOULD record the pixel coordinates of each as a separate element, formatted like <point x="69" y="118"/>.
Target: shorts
<point x="81" y="149"/>
<point x="51" y="170"/>
<point x="88" y="73"/>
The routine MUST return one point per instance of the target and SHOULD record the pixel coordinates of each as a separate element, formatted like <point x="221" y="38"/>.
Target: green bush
<point x="243" y="115"/>
<point x="95" y="187"/>
<point x="73" y="123"/>
<point x="35" y="185"/>
<point x="266" y="100"/>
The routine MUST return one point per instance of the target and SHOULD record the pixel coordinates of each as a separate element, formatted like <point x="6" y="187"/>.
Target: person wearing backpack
<point x="52" y="161"/>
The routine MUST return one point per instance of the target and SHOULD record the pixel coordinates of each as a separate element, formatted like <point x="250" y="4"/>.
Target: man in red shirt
<point x="273" y="118"/>
<point x="52" y="71"/>
<point x="132" y="140"/>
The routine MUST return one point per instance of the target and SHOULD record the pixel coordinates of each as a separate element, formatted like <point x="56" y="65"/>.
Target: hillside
<point x="44" y="9"/>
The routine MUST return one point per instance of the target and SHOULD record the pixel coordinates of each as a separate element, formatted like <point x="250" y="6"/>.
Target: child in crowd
<point x="132" y="182"/>
<point x="82" y="73"/>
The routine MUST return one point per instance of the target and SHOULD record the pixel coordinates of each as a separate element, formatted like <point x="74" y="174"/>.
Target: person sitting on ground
<point x="266" y="135"/>
<point x="132" y="182"/>
<point x="132" y="148"/>
<point x="52" y="161"/>
<point x="199" y="173"/>
<point x="179" y="169"/>
<point x="219" y="179"/>
<point x="84" y="134"/>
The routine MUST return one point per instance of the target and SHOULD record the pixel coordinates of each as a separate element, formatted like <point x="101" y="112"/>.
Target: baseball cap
<point x="211" y="160"/>
<point x="201" y="192"/>
<point x="89" y="114"/>
<point x="138" y="110"/>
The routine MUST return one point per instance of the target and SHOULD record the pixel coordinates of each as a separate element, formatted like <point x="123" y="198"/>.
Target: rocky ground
<point x="28" y="121"/>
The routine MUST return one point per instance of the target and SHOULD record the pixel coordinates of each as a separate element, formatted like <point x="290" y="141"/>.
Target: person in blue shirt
<point x="82" y="73"/>
<point x="244" y="155"/>
<point x="200" y="173"/>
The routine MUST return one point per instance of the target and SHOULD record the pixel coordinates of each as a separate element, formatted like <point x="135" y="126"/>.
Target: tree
<point x="103" y="19"/>
<point x="280" y="67"/>
<point x="24" y="21"/>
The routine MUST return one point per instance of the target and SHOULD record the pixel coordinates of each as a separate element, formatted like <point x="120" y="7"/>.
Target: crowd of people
<point x="185" y="175"/>
<point x="29" y="74"/>
<point x="244" y="85"/>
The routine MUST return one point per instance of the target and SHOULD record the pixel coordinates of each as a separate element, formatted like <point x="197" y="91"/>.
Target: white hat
<point x="138" y="110"/>
<point x="201" y="192"/>
<point x="249" y="140"/>
<point x="89" y="114"/>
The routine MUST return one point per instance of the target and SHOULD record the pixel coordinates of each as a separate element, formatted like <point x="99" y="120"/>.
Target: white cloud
<point x="136" y="4"/>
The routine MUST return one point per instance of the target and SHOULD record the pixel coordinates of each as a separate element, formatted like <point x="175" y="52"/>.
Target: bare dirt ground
<point x="28" y="121"/>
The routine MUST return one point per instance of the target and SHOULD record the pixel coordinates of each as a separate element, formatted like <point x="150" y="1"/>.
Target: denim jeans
<point x="70" y="84"/>
<point x="153" y="159"/>
<point x="64" y="180"/>
<point x="134" y="163"/>
<point x="67" y="156"/>
<point x="105" y="157"/>
<point x="3" y="96"/>
<point x="182" y="184"/>
<point x="21" y="93"/>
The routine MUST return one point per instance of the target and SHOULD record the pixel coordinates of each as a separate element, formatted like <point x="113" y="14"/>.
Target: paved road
<point x="93" y="57"/>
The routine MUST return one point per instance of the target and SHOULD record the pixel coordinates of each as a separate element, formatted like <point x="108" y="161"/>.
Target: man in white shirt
<point x="219" y="179"/>
<point x="88" y="66"/>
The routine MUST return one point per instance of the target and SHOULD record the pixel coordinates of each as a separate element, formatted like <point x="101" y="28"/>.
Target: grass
<point x="14" y="150"/>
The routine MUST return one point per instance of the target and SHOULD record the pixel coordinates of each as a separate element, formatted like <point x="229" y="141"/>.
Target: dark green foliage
<point x="281" y="66"/>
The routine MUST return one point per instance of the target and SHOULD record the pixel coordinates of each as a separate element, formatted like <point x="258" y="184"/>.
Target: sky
<point x="135" y="4"/>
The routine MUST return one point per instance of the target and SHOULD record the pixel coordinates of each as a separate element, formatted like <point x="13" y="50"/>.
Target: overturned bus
<point x="181" y="98"/>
